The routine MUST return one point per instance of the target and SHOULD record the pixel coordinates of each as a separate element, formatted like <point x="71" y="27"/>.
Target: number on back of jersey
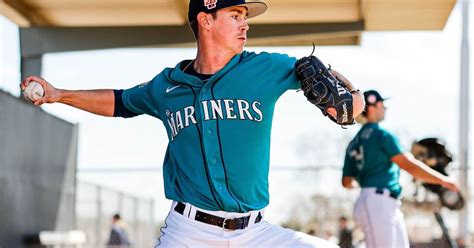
<point x="358" y="155"/>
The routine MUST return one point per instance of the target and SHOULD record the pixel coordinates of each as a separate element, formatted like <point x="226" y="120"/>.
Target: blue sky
<point x="419" y="71"/>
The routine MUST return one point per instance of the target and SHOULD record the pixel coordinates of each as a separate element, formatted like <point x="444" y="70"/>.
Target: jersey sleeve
<point x="390" y="144"/>
<point x="119" y="109"/>
<point x="349" y="168"/>
<point x="140" y="99"/>
<point x="283" y="70"/>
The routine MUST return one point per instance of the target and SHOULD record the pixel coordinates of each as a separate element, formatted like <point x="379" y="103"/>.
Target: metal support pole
<point x="120" y="203"/>
<point x="464" y="123"/>
<point x="136" y="226"/>
<point x="450" y="241"/>
<point x="152" y="213"/>
<point x="31" y="65"/>
<point x="152" y="221"/>
<point x="98" y="223"/>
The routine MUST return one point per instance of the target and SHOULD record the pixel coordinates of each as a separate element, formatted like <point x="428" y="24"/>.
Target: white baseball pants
<point x="179" y="230"/>
<point x="381" y="220"/>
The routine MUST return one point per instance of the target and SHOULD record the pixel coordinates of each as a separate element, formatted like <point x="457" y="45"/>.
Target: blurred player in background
<point x="373" y="160"/>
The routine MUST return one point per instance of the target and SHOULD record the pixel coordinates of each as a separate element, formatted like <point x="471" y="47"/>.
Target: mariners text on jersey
<point x="218" y="129"/>
<point x="223" y="109"/>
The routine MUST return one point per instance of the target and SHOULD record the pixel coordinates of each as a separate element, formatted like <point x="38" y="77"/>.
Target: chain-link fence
<point x="309" y="199"/>
<point x="95" y="207"/>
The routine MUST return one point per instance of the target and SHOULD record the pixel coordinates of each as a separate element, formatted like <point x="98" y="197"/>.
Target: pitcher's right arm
<point x="100" y="102"/>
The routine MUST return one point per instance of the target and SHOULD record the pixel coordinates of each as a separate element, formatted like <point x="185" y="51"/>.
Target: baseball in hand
<point x="34" y="91"/>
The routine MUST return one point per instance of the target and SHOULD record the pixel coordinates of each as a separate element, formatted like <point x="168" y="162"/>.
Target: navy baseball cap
<point x="254" y="8"/>
<point x="372" y="97"/>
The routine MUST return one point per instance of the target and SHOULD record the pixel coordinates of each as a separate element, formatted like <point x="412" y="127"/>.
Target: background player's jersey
<point x="368" y="159"/>
<point x="219" y="131"/>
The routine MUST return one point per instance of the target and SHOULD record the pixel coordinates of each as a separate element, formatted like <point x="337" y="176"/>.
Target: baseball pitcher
<point x="217" y="110"/>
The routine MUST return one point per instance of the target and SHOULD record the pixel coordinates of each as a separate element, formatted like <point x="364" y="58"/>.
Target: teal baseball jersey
<point x="368" y="159"/>
<point x="219" y="129"/>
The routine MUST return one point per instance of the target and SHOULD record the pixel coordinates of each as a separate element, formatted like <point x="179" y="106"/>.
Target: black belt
<point x="228" y="224"/>
<point x="380" y="192"/>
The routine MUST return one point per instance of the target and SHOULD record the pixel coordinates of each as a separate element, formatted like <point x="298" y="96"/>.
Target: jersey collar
<point x="179" y="76"/>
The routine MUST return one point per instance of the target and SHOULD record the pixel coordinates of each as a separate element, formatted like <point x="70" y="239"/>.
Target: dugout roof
<point x="48" y="26"/>
<point x="287" y="22"/>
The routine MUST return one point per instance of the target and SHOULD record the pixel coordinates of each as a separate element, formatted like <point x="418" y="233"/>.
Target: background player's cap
<point x="254" y="8"/>
<point x="372" y="97"/>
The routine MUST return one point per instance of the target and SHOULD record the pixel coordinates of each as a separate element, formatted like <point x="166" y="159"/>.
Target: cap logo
<point x="372" y="99"/>
<point x="210" y="4"/>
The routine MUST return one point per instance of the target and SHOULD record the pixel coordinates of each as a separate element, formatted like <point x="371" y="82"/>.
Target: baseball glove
<point x="324" y="90"/>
